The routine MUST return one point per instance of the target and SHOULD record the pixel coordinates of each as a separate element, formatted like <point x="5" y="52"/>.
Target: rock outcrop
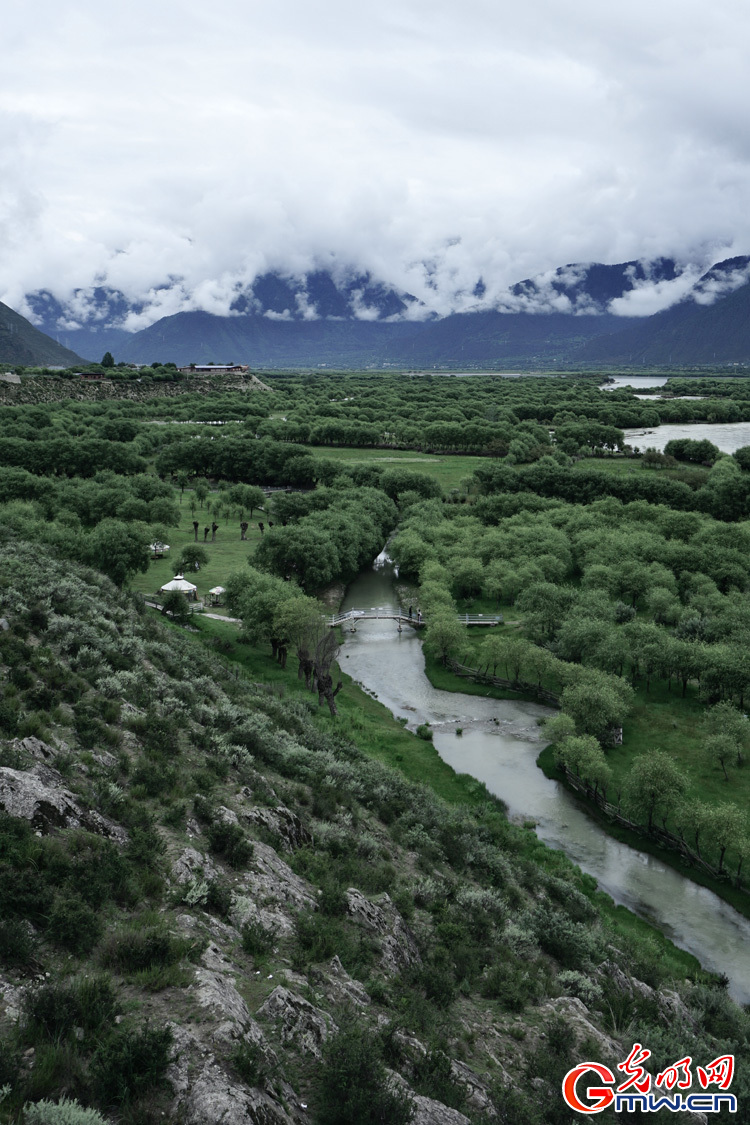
<point x="206" y="1094"/>
<point x="271" y="893"/>
<point x="283" y="824"/>
<point x="299" y="1022"/>
<point x="38" y="795"/>
<point x="398" y="947"/>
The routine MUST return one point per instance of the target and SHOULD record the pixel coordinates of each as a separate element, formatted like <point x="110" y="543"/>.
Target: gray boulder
<point x="282" y="823"/>
<point x="429" y="1112"/>
<point x="38" y="795"/>
<point x="337" y="986"/>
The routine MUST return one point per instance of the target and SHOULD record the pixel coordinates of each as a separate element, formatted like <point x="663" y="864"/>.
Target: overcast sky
<point x="428" y="142"/>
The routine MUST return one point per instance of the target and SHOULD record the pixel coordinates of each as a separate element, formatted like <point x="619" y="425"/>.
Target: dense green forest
<point x="229" y="879"/>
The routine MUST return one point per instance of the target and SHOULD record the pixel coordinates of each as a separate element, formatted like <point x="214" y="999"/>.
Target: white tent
<point x="215" y="595"/>
<point x="181" y="584"/>
<point x="158" y="550"/>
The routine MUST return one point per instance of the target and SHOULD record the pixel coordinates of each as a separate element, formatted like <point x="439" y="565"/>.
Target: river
<point x="499" y="745"/>
<point x="727" y="436"/>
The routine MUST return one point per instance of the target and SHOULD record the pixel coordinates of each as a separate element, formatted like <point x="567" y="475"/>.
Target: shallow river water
<point x="499" y="746"/>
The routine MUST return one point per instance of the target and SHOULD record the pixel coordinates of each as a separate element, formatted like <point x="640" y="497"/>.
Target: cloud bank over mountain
<point x="176" y="152"/>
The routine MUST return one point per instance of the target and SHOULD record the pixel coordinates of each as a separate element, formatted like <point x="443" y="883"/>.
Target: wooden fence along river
<point x="522" y="687"/>
<point x="660" y="834"/>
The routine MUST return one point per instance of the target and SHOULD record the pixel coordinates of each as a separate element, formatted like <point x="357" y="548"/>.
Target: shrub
<point x="320" y="937"/>
<point x="8" y="717"/>
<point x="8" y="1062"/>
<point x="130" y="1063"/>
<point x="16" y="942"/>
<point x="250" y="1063"/>
<point x="53" y="1010"/>
<point x="64" y="1112"/>
<point x="133" y="950"/>
<point x="73" y="925"/>
<point x="514" y="1108"/>
<point x="219" y="897"/>
<point x="353" y="1084"/>
<point x="230" y="842"/>
<point x="510" y="984"/>
<point x="433" y="1079"/>
<point x="257" y="939"/>
<point x="570" y="943"/>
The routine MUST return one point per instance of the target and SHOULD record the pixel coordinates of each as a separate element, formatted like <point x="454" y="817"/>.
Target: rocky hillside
<point x="46" y="388"/>
<point x="214" y="910"/>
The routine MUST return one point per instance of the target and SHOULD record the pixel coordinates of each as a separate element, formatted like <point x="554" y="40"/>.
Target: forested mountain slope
<point x="21" y="343"/>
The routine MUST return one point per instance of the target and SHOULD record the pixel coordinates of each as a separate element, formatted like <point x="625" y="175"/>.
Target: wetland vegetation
<point x="623" y="581"/>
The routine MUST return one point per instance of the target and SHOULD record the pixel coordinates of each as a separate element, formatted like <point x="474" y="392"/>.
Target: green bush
<point x="320" y="937"/>
<point x="73" y="925"/>
<point x="219" y="898"/>
<point x="134" y="950"/>
<point x="64" y="1112"/>
<point x="17" y="943"/>
<point x="257" y="939"/>
<point x="130" y="1063"/>
<point x="52" y="1010"/>
<point x="230" y="842"/>
<point x="250" y="1063"/>
<point x="9" y="1061"/>
<point x="570" y="943"/>
<point x="513" y="1107"/>
<point x="353" y="1085"/>
<point x="432" y="1078"/>
<point x="8" y="718"/>
<point x="510" y="984"/>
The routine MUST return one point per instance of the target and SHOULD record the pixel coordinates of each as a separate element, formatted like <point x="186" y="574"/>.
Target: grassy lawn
<point x="227" y="554"/>
<point x="626" y="466"/>
<point x="449" y="471"/>
<point x="663" y="720"/>
<point x="622" y="466"/>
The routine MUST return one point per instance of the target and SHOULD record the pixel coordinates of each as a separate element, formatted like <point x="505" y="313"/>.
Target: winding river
<point x="499" y="744"/>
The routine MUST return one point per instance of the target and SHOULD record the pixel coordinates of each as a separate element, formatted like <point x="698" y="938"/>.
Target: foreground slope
<point x="214" y="908"/>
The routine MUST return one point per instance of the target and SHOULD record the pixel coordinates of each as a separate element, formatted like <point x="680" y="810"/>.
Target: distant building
<point x="214" y="369"/>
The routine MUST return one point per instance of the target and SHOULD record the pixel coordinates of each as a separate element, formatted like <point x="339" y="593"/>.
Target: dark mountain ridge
<point x="353" y="320"/>
<point x="21" y="343"/>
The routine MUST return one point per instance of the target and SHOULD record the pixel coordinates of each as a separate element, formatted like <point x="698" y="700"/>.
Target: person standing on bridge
<point x="410" y="612"/>
<point x="419" y="617"/>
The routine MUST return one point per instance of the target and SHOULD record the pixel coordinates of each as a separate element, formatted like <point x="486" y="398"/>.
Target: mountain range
<point x="564" y="318"/>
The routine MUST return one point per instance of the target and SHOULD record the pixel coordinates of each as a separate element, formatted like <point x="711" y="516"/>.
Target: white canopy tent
<point x="180" y="584"/>
<point x="216" y="594"/>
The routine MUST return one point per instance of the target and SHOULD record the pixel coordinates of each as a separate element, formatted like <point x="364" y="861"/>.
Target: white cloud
<point x="426" y="143"/>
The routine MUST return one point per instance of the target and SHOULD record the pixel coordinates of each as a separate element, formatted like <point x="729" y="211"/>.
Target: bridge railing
<point x="488" y="619"/>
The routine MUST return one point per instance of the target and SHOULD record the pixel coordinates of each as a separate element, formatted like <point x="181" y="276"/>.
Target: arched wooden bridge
<point x="418" y="622"/>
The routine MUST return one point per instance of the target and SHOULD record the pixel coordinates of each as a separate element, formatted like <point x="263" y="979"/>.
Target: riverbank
<point x="446" y="680"/>
<point x="642" y="842"/>
<point x="373" y="728"/>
